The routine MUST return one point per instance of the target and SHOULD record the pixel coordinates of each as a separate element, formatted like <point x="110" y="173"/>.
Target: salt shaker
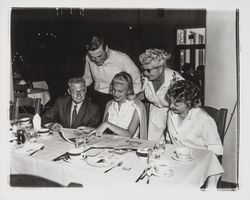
<point x="21" y="136"/>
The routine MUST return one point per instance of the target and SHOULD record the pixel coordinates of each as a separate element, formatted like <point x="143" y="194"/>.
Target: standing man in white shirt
<point x="101" y="65"/>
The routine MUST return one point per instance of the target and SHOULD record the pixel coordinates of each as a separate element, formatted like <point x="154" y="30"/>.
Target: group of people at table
<point x="175" y="115"/>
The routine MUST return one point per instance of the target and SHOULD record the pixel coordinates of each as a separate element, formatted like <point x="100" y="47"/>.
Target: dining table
<point x="50" y="162"/>
<point x="41" y="93"/>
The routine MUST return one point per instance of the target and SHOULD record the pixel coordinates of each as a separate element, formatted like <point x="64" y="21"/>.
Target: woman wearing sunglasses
<point x="158" y="77"/>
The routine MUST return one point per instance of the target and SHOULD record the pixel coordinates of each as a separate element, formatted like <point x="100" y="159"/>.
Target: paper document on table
<point x="125" y="143"/>
<point x="70" y="134"/>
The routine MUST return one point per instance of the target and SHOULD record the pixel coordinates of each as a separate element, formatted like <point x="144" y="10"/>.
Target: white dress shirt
<point x="103" y="75"/>
<point x="198" y="130"/>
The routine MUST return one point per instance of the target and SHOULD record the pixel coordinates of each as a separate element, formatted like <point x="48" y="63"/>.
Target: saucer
<point x="175" y="157"/>
<point x="161" y="168"/>
<point x="44" y="131"/>
<point x="45" y="136"/>
<point x="102" y="161"/>
<point x="69" y="160"/>
<point x="119" y="151"/>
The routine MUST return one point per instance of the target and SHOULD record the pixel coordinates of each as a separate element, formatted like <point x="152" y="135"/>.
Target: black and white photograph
<point x="101" y="100"/>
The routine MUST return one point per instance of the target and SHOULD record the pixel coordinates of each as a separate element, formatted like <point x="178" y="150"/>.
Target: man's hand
<point x="56" y="127"/>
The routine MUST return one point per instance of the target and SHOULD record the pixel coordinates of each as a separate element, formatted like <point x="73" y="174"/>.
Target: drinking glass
<point x="153" y="155"/>
<point x="77" y="141"/>
<point x="162" y="146"/>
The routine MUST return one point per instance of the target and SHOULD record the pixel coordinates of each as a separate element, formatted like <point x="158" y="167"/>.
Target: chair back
<point x="20" y="90"/>
<point x="143" y="120"/>
<point x="26" y="103"/>
<point x="220" y="117"/>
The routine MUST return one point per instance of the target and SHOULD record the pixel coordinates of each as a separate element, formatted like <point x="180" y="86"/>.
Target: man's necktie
<point x="74" y="114"/>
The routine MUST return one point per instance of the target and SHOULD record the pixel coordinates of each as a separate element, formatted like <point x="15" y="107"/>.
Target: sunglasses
<point x="149" y="70"/>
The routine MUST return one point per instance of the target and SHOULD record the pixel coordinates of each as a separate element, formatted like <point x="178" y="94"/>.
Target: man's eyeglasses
<point x="76" y="92"/>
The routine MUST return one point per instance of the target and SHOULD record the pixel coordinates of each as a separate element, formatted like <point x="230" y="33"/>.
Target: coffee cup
<point x="24" y="122"/>
<point x="183" y="152"/>
<point x="142" y="152"/>
<point x="75" y="154"/>
<point x="44" y="131"/>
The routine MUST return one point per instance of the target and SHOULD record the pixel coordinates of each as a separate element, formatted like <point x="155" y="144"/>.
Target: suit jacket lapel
<point x="68" y="112"/>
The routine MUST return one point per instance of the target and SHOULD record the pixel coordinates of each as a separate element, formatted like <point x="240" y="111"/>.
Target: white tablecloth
<point x="40" y="93"/>
<point x="186" y="174"/>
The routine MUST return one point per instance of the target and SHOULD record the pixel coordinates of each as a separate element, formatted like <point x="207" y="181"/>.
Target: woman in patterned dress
<point x="158" y="77"/>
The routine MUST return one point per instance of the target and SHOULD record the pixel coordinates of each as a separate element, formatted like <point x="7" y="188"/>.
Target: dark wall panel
<point x="52" y="42"/>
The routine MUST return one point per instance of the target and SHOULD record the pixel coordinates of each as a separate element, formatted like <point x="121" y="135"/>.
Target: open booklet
<point x="70" y="134"/>
<point x="119" y="142"/>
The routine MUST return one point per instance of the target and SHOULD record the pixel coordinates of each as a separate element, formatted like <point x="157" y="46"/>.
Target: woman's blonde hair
<point x="123" y="78"/>
<point x="155" y="57"/>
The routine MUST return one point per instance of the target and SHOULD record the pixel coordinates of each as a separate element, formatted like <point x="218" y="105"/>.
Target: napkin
<point x="29" y="148"/>
<point x="37" y="122"/>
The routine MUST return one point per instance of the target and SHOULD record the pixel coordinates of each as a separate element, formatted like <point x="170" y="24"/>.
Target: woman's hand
<point x="56" y="127"/>
<point x="101" y="128"/>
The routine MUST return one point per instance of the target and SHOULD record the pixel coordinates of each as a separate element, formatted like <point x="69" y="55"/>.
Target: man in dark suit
<point x="73" y="110"/>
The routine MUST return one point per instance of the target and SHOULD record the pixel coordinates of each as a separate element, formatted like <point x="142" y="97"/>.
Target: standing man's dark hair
<point x="95" y="42"/>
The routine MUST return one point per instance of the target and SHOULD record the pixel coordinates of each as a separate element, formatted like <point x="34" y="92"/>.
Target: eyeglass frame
<point x="149" y="70"/>
<point x="76" y="92"/>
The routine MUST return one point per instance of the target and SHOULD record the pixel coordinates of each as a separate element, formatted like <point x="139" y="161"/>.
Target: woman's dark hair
<point x="184" y="91"/>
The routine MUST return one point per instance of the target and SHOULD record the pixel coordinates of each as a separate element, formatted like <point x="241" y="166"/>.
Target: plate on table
<point x="69" y="160"/>
<point x="103" y="161"/>
<point x="119" y="151"/>
<point x="175" y="157"/>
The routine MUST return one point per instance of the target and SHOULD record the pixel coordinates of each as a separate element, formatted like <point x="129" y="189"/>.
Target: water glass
<point x="77" y="142"/>
<point x="162" y="146"/>
<point x="153" y="155"/>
